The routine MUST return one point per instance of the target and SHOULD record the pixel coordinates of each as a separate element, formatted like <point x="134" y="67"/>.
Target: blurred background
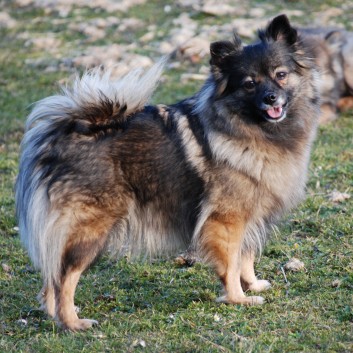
<point x="44" y="41"/>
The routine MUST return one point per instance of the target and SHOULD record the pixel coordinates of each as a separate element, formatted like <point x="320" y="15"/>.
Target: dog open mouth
<point x="275" y="114"/>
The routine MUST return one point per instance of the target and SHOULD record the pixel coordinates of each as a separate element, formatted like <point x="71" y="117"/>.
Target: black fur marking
<point x="220" y="50"/>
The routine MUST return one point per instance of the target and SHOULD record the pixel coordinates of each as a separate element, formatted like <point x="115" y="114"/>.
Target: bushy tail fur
<point x="94" y="89"/>
<point x="42" y="232"/>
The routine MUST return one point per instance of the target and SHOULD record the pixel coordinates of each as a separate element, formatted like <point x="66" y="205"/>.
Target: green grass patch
<point x="160" y="306"/>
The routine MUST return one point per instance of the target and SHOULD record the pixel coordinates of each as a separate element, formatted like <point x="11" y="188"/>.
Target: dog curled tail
<point x="91" y="102"/>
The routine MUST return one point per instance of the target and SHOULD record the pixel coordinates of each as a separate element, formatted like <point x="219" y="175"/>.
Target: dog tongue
<point x="274" y="112"/>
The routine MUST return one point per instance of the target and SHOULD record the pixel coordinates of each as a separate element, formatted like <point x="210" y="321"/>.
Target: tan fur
<point x="65" y="312"/>
<point x="192" y="148"/>
<point x="248" y="277"/>
<point x="345" y="103"/>
<point x="86" y="240"/>
<point x="46" y="298"/>
<point x="221" y="238"/>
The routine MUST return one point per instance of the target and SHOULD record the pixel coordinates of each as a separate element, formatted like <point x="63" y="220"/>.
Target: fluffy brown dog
<point x="333" y="51"/>
<point x="101" y="170"/>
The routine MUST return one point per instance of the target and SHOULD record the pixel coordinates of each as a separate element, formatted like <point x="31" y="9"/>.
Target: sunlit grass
<point x="160" y="306"/>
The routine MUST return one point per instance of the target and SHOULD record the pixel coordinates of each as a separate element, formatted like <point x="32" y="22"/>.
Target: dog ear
<point x="222" y="49"/>
<point x="238" y="45"/>
<point x="280" y="29"/>
<point x="335" y="40"/>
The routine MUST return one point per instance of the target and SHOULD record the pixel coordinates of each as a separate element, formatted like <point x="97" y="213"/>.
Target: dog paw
<point x="251" y="300"/>
<point x="79" y="325"/>
<point x="259" y="286"/>
<point x="254" y="300"/>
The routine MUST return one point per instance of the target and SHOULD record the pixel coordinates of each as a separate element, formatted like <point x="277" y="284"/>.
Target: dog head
<point x="260" y="82"/>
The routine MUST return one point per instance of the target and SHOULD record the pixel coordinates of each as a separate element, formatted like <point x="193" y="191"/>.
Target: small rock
<point x="246" y="27"/>
<point x="103" y="23"/>
<point x="294" y="265"/>
<point x="6" y="268"/>
<point x="218" y="9"/>
<point x="113" y="57"/>
<point x="22" y="322"/>
<point x="295" y="13"/>
<point x="93" y="33"/>
<point x="195" y="4"/>
<point x="239" y="338"/>
<point x="179" y="36"/>
<point x="147" y="37"/>
<point x="6" y="21"/>
<point x="49" y="43"/>
<point x="130" y="24"/>
<point x="23" y="3"/>
<point x="99" y="335"/>
<point x="257" y="12"/>
<point x="195" y="49"/>
<point x="138" y="343"/>
<point x="337" y="196"/>
<point x="166" y="47"/>
<point x="336" y="283"/>
<point x="64" y="7"/>
<point x="116" y="57"/>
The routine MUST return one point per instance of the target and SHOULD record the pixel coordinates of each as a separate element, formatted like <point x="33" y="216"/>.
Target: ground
<point x="165" y="306"/>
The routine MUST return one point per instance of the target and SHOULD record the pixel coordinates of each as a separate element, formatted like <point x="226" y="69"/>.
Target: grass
<point x="161" y="306"/>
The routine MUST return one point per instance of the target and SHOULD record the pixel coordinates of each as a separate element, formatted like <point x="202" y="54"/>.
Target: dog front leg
<point x="221" y="240"/>
<point x="248" y="277"/>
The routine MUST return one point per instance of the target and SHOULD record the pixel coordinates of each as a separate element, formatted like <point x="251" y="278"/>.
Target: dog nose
<point x="270" y="98"/>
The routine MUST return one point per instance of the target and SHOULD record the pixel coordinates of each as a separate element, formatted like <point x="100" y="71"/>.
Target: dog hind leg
<point x="66" y="313"/>
<point x="46" y="298"/>
<point x="85" y="242"/>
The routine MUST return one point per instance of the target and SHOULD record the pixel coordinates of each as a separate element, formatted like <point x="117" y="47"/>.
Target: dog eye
<point x="249" y="84"/>
<point x="281" y="75"/>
